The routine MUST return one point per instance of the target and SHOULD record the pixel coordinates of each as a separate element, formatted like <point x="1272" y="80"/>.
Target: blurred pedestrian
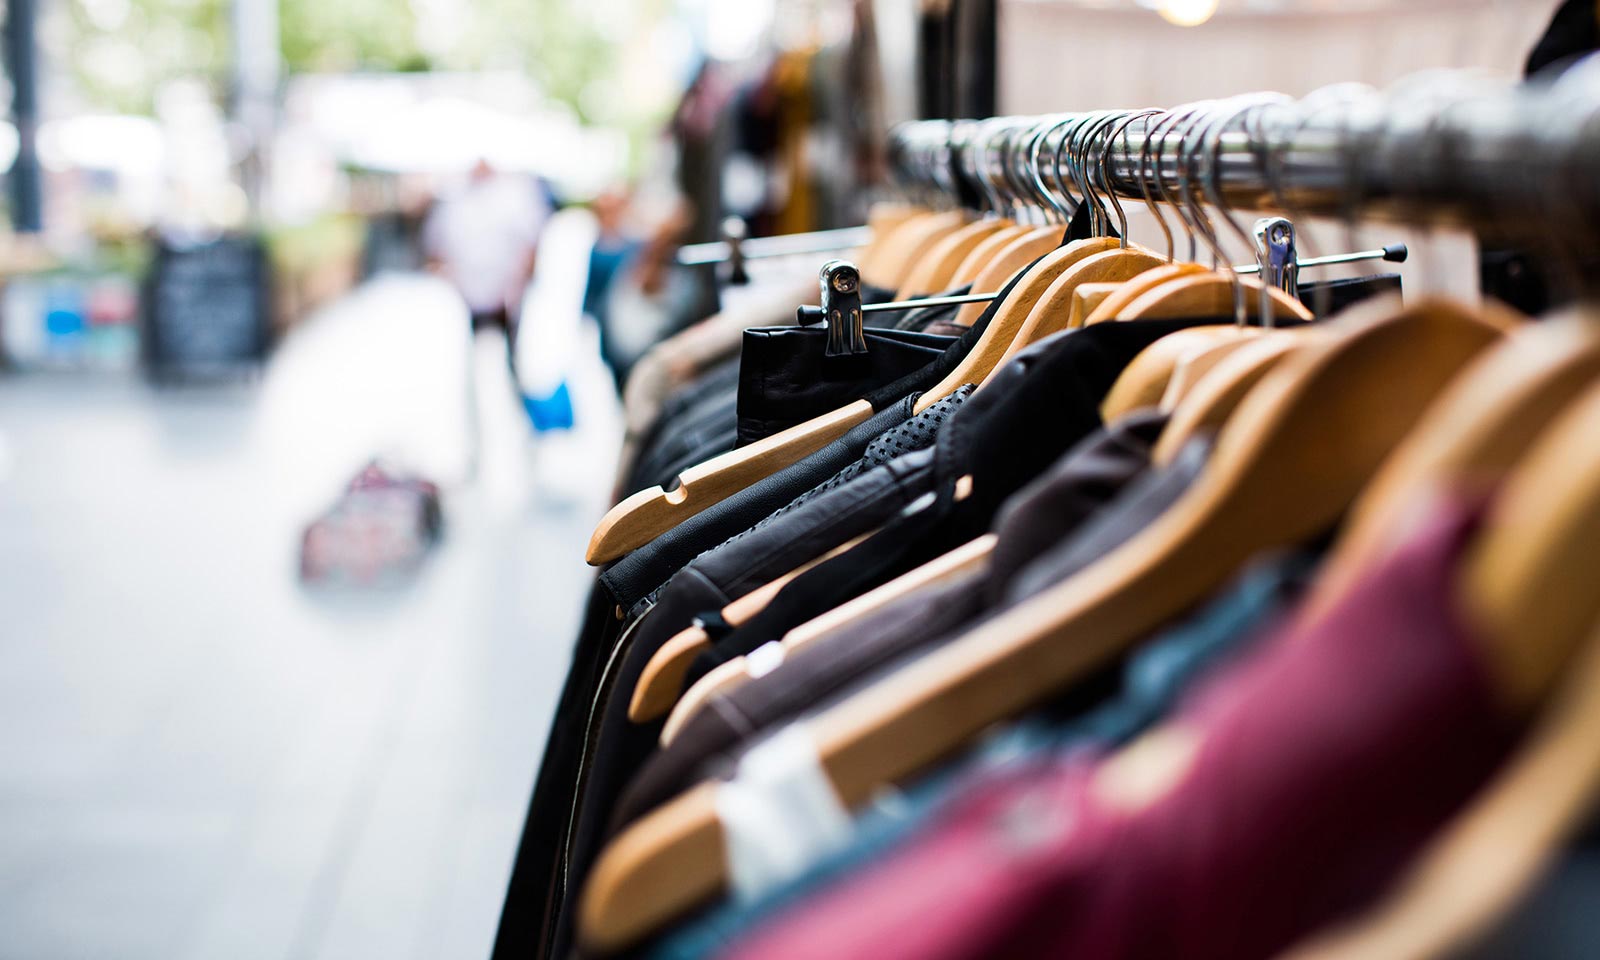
<point x="483" y="238"/>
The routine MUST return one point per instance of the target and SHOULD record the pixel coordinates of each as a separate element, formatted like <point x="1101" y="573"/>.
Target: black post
<point x="27" y="200"/>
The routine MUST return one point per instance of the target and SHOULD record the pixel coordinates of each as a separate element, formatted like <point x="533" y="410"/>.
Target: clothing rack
<point x="1438" y="150"/>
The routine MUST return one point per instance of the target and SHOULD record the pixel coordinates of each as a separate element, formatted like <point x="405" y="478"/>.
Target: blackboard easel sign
<point x="206" y="309"/>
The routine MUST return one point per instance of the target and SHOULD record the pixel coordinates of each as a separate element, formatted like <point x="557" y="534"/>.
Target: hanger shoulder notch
<point x="649" y="513"/>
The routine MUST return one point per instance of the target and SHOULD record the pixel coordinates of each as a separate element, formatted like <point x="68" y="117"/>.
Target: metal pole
<point x="27" y="198"/>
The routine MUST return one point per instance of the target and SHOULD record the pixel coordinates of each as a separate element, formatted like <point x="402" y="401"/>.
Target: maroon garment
<point x="1323" y="762"/>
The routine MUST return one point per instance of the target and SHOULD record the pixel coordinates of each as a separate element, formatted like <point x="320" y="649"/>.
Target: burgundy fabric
<point x="1324" y="761"/>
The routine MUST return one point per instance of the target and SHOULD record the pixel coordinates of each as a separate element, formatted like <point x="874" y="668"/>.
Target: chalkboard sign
<point x="206" y="309"/>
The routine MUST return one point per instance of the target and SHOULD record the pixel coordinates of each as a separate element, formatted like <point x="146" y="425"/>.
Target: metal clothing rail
<point x="1440" y="148"/>
<point x="783" y="245"/>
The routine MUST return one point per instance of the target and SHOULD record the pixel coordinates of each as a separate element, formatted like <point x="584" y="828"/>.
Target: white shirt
<point x="483" y="234"/>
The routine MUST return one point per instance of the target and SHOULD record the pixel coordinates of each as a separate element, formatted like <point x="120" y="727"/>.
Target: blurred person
<point x="614" y="248"/>
<point x="483" y="237"/>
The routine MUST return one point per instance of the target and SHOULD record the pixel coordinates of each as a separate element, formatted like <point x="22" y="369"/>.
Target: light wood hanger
<point x="1193" y="367"/>
<point x="1113" y="263"/>
<point x="1288" y="463"/>
<point x="872" y="254"/>
<point x="932" y="272"/>
<point x="984" y="253"/>
<point x="1214" y="399"/>
<point x="1145" y="380"/>
<point x="649" y="513"/>
<point x="1005" y="264"/>
<point x="1112" y="306"/>
<point x="1011" y="316"/>
<point x="1476" y="434"/>
<point x="727" y="676"/>
<point x="1086" y="298"/>
<point x="882" y="219"/>
<point x="897" y="255"/>
<point x="1470" y="439"/>
<point x="1209" y="294"/>
<point x="662" y="679"/>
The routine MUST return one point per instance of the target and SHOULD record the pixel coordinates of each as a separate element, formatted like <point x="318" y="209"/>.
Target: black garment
<point x="642" y="571"/>
<point x="721" y="380"/>
<point x="532" y="912"/>
<point x="853" y="501"/>
<point x="786" y="377"/>
<point x="879" y="463"/>
<point x="1003" y="438"/>
<point x="1573" y="31"/>
<point x="1103" y="471"/>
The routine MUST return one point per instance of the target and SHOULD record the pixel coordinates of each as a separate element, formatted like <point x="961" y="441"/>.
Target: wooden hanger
<point x="883" y="218"/>
<point x="1011" y="316"/>
<point x="1005" y="264"/>
<point x="1214" y="399"/>
<point x="984" y="252"/>
<point x="1476" y="434"/>
<point x="1049" y="314"/>
<point x="896" y="257"/>
<point x="1284" y="468"/>
<point x="649" y="513"/>
<point x="969" y="556"/>
<point x="1113" y="305"/>
<point x="872" y="254"/>
<point x="1145" y="380"/>
<point x="1469" y="440"/>
<point x="1193" y="367"/>
<point x="932" y="272"/>
<point x="1086" y="298"/>
<point x="1209" y="294"/>
<point x="662" y="679"/>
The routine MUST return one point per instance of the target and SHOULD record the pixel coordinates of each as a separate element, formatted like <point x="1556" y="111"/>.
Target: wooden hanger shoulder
<point x="882" y="220"/>
<point x="1006" y="263"/>
<point x="1134" y="287"/>
<point x="1220" y="392"/>
<point x="1471" y="439"/>
<point x="1209" y="294"/>
<point x="723" y="678"/>
<point x="1048" y="314"/>
<point x="1528" y="581"/>
<point x="932" y="272"/>
<point x="1008" y="317"/>
<point x="1086" y="298"/>
<point x="649" y="513"/>
<point x="984" y="252"/>
<point x="894" y="258"/>
<point x="1144" y="382"/>
<point x="1193" y="367"/>
<point x="916" y="254"/>
<point x="870" y="257"/>
<point x="1287" y="465"/>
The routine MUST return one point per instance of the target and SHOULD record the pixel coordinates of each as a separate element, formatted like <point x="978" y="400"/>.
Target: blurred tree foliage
<point x="122" y="51"/>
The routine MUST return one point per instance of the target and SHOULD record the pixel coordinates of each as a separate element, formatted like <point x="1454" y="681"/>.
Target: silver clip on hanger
<point x="841" y="304"/>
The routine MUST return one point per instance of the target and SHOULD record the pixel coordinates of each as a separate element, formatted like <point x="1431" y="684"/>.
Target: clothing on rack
<point x="953" y="650"/>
